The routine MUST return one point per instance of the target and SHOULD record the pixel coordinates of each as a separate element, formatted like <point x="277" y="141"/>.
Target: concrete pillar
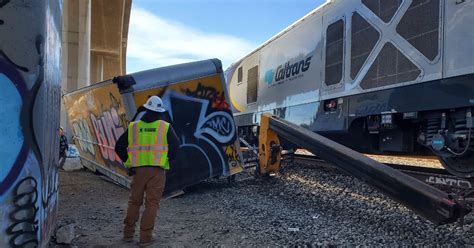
<point x="84" y="43"/>
<point x="97" y="68"/>
<point x="30" y="74"/>
<point x="64" y="63"/>
<point x="94" y="43"/>
<point x="76" y="50"/>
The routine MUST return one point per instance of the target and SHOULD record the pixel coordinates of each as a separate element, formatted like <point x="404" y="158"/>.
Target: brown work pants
<point x="149" y="181"/>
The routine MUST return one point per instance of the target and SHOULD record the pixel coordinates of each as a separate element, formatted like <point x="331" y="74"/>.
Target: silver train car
<point x="379" y="76"/>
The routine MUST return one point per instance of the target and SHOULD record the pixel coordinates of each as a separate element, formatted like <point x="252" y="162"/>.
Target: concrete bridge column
<point x="76" y="45"/>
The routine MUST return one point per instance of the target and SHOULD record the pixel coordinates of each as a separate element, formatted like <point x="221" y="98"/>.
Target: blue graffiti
<point x="12" y="136"/>
<point x="13" y="152"/>
<point x="202" y="134"/>
<point x="218" y="125"/>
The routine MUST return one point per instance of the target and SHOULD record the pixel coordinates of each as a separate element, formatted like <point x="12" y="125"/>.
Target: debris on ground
<point x="73" y="164"/>
<point x="65" y="234"/>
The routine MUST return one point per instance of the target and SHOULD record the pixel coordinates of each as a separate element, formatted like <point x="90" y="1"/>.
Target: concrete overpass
<point x="94" y="43"/>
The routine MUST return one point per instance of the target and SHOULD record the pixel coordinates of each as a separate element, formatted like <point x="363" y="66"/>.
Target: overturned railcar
<point x="195" y="97"/>
<point x="377" y="76"/>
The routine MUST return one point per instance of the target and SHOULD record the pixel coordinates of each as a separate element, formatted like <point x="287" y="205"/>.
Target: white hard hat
<point x="154" y="103"/>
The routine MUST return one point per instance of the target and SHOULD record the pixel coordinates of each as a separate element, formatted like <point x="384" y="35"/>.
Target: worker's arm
<point x="121" y="146"/>
<point x="173" y="143"/>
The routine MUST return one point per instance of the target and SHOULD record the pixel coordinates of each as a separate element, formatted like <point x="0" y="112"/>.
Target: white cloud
<point x="155" y="42"/>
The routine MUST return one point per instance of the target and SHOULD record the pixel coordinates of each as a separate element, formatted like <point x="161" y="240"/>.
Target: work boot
<point x="127" y="239"/>
<point x="147" y="242"/>
<point x="128" y="233"/>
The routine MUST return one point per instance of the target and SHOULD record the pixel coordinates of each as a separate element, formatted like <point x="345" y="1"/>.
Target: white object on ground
<point x="72" y="152"/>
<point x="72" y="164"/>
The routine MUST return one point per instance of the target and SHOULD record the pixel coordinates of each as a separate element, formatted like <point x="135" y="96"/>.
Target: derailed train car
<point x="377" y="76"/>
<point x="195" y="97"/>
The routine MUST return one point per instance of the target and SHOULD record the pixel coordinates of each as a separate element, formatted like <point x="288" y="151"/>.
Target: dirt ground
<point x="97" y="207"/>
<point x="299" y="207"/>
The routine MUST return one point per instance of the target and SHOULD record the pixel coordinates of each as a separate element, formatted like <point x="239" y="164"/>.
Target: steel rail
<point x="433" y="176"/>
<point x="428" y="201"/>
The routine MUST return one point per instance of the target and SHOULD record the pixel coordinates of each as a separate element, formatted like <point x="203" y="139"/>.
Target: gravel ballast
<point x="330" y="208"/>
<point x="301" y="207"/>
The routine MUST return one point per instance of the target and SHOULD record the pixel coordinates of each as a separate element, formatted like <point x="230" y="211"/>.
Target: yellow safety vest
<point x="148" y="144"/>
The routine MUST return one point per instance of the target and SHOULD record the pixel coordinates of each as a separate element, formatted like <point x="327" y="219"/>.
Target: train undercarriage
<point x="446" y="134"/>
<point x="434" y="204"/>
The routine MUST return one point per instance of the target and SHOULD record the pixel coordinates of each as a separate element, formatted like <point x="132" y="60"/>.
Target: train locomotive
<point x="383" y="77"/>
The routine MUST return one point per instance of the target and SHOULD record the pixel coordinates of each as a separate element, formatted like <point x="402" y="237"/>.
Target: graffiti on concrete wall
<point x="15" y="152"/>
<point x="30" y="82"/>
<point x="23" y="229"/>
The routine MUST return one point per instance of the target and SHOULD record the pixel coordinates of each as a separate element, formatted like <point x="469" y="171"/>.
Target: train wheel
<point x="462" y="166"/>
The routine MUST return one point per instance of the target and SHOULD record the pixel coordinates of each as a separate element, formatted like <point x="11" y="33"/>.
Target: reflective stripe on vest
<point x="148" y="144"/>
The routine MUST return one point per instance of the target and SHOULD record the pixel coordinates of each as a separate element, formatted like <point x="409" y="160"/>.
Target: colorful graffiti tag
<point x="83" y="134"/>
<point x="107" y="130"/>
<point x="201" y="135"/>
<point x="203" y="121"/>
<point x="98" y="119"/>
<point x="30" y="81"/>
<point x="197" y="109"/>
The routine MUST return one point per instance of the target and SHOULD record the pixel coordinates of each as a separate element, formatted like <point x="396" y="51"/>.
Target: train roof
<point x="286" y="30"/>
<point x="162" y="76"/>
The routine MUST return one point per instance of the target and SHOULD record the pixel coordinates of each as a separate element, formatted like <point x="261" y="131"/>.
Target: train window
<point x="420" y="26"/>
<point x="384" y="11"/>
<point x="390" y="67"/>
<point x="239" y="75"/>
<point x="364" y="38"/>
<point x="252" y="84"/>
<point x="334" y="52"/>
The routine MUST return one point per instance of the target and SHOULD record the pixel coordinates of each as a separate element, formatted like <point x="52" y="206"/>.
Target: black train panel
<point x="420" y="27"/>
<point x="364" y="38"/>
<point x="390" y="67"/>
<point x="334" y="52"/>
<point x="384" y="11"/>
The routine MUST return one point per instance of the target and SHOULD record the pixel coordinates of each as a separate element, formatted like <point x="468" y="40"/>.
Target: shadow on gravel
<point x="207" y="187"/>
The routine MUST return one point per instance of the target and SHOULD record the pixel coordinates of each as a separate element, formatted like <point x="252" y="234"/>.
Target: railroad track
<point x="437" y="177"/>
<point x="434" y="176"/>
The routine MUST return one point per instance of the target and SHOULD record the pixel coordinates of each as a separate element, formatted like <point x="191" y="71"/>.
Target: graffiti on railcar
<point x="107" y="129"/>
<point x="235" y="159"/>
<point x="206" y="128"/>
<point x="98" y="119"/>
<point x="83" y="136"/>
<point x="202" y="135"/>
<point x="30" y="81"/>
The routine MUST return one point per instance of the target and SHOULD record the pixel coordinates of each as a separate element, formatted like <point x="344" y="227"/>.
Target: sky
<point x="167" y="32"/>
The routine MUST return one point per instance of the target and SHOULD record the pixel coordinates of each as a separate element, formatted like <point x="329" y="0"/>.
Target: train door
<point x="332" y="111"/>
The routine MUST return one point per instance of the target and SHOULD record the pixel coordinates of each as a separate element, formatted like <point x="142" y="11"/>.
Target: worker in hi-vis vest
<point x="146" y="148"/>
